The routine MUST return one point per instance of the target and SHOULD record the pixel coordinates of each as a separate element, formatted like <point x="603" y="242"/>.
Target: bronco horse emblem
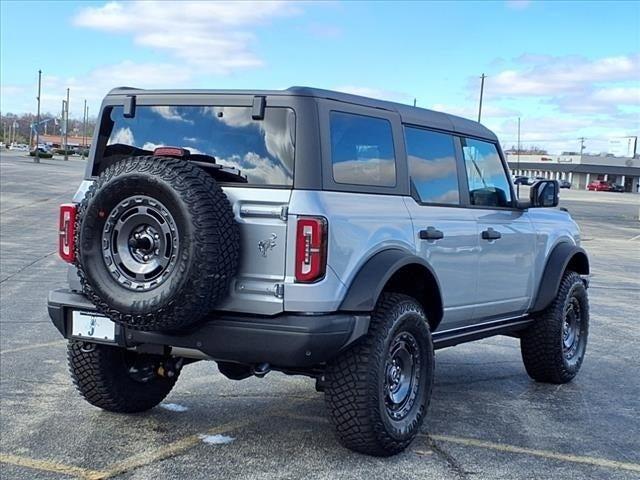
<point x="265" y="245"/>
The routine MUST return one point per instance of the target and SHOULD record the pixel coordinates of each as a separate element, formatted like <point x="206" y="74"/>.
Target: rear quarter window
<point x="362" y="151"/>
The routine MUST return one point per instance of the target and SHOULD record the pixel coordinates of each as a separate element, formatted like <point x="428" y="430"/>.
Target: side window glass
<point x="432" y="166"/>
<point x="488" y="183"/>
<point x="362" y="150"/>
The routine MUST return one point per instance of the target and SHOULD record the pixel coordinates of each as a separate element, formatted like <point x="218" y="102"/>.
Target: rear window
<point x="362" y="150"/>
<point x="261" y="150"/>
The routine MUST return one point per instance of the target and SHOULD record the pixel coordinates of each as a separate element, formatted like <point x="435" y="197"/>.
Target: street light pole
<point x="481" y="92"/>
<point x="36" y="157"/>
<point x="518" y="155"/>
<point x="84" y="127"/>
<point x="66" y="128"/>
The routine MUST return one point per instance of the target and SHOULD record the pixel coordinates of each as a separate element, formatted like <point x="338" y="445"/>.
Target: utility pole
<point x="66" y="128"/>
<point x="84" y="128"/>
<point x="481" y="92"/>
<point x="414" y="101"/>
<point x="582" y="147"/>
<point x="36" y="157"/>
<point x="518" y="155"/>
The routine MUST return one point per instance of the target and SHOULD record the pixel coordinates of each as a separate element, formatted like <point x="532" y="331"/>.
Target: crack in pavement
<point x="26" y="266"/>
<point x="449" y="459"/>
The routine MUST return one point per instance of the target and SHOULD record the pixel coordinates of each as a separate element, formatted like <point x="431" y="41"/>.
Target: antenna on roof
<point x="414" y="102"/>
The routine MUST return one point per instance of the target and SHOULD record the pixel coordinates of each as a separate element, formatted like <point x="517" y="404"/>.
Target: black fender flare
<point x="563" y="256"/>
<point x="362" y="295"/>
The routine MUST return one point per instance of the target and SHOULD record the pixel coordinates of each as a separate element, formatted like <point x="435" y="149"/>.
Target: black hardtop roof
<point x="408" y="113"/>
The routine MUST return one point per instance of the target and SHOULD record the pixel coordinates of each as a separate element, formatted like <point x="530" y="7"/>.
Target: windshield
<point x="262" y="150"/>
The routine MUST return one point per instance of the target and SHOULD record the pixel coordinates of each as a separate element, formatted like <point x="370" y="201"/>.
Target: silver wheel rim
<point x="140" y="243"/>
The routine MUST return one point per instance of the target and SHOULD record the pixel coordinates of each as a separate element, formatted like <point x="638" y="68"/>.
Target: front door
<point x="506" y="236"/>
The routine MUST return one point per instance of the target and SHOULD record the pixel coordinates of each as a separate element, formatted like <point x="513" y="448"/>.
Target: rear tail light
<point x="311" y="249"/>
<point x="67" y="231"/>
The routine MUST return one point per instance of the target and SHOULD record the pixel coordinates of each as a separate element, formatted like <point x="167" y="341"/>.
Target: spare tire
<point x="156" y="243"/>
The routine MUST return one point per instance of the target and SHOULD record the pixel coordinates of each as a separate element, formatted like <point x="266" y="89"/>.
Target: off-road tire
<point x="205" y="260"/>
<point x="101" y="375"/>
<point x="355" y="381"/>
<point x="541" y="344"/>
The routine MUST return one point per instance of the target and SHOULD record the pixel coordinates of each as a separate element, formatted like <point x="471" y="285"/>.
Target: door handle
<point x="431" y="233"/>
<point x="491" y="234"/>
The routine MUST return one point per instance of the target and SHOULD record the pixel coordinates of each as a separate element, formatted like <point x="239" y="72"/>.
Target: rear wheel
<point x="119" y="380"/>
<point x="378" y="391"/>
<point x="553" y="348"/>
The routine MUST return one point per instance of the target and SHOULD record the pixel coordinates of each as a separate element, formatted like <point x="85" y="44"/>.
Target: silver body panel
<point x="479" y="279"/>
<point x="454" y="258"/>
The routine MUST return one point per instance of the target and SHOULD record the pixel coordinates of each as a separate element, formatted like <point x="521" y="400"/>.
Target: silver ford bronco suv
<point x="309" y="232"/>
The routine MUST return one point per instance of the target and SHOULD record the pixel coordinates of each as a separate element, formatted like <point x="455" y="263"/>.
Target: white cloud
<point x="422" y="169"/>
<point x="363" y="172"/>
<point x="170" y="113"/>
<point x="124" y="136"/>
<point x="257" y="169"/>
<point x="92" y="86"/>
<point x="551" y="76"/>
<point x="451" y="196"/>
<point x="214" y="37"/>
<point x="276" y="138"/>
<point x="151" y="146"/>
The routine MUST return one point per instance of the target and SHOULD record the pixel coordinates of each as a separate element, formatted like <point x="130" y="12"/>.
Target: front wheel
<point x="378" y="391"/>
<point x="553" y="348"/>
<point x="119" y="380"/>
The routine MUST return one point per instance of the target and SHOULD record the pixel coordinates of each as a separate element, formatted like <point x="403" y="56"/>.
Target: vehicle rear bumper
<point x="286" y="340"/>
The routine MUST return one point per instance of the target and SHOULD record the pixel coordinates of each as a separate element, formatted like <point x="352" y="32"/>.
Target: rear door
<point x="506" y="236"/>
<point x="445" y="233"/>
<point x="249" y="152"/>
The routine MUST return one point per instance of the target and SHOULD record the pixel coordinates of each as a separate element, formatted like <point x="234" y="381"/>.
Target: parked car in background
<point x="21" y="147"/>
<point x="42" y="153"/>
<point x="617" y="188"/>
<point x="520" y="180"/>
<point x="564" y="183"/>
<point x="600" y="186"/>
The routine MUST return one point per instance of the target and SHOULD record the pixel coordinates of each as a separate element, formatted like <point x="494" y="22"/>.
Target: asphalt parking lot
<point x="487" y="418"/>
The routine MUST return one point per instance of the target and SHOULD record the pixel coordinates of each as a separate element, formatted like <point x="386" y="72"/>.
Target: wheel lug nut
<point x="156" y="236"/>
<point x="146" y="257"/>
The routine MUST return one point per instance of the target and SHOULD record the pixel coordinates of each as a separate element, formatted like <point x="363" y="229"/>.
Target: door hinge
<point x="284" y="213"/>
<point x="278" y="290"/>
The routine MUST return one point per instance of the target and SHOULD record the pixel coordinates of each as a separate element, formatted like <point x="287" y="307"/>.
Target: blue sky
<point x="569" y="69"/>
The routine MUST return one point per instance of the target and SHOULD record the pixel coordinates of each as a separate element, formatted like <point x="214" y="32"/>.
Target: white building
<point x="578" y="169"/>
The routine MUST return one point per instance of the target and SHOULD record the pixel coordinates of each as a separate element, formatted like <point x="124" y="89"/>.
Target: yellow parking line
<point x="500" y="447"/>
<point x="175" y="448"/>
<point x="31" y="347"/>
<point x="50" y="466"/>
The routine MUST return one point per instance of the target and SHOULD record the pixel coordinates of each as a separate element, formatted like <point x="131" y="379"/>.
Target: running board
<point x="449" y="338"/>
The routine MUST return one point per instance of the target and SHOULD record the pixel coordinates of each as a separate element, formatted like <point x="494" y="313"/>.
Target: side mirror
<point x="544" y="194"/>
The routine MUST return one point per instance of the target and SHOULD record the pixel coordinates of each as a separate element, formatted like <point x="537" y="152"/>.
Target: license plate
<point x="91" y="325"/>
